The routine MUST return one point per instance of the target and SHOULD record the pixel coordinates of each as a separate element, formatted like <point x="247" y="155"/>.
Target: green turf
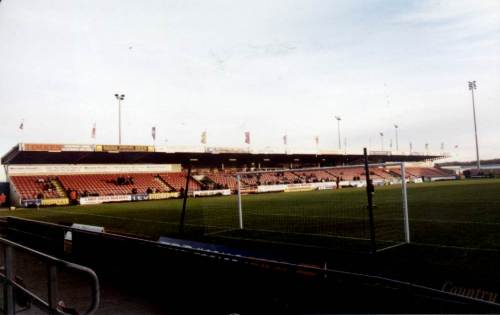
<point x="455" y="213"/>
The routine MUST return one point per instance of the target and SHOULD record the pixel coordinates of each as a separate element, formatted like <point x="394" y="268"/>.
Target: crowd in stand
<point x="48" y="186"/>
<point x="122" y="180"/>
<point x="153" y="190"/>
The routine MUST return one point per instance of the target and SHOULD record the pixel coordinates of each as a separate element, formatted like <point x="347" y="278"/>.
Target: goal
<point x="331" y="207"/>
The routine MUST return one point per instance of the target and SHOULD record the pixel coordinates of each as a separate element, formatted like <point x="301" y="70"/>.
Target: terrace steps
<point x="59" y="189"/>
<point x="163" y="183"/>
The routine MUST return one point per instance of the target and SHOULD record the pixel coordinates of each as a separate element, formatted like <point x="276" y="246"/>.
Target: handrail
<point x="8" y="279"/>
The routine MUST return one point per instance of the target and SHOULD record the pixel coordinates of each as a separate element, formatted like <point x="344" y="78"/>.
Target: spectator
<point x="149" y="190"/>
<point x="3" y="198"/>
<point x="72" y="196"/>
<point x="120" y="180"/>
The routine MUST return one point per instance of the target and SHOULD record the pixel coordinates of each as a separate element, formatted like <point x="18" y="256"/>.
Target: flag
<point x="456" y="146"/>
<point x="285" y="140"/>
<point x="153" y="133"/>
<point x="427" y="146"/>
<point x="92" y="134"/>
<point x="21" y="126"/>
<point x="316" y="139"/>
<point x="247" y="137"/>
<point x="204" y="137"/>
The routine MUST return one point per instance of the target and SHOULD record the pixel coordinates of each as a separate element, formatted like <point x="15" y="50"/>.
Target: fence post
<point x="52" y="286"/>
<point x="405" y="204"/>
<point x="184" y="201"/>
<point x="369" y="194"/>
<point x="240" y="210"/>
<point x="9" y="275"/>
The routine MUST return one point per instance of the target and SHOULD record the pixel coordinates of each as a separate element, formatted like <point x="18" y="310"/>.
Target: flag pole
<point x="21" y="128"/>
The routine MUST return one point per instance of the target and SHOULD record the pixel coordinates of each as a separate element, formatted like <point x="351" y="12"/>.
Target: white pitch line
<point x="456" y="247"/>
<point x="129" y="219"/>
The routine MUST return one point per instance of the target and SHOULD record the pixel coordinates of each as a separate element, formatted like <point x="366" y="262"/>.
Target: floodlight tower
<point x="120" y="98"/>
<point x="472" y="87"/>
<point x="381" y="141"/>
<point x="397" y="143"/>
<point x="338" y="130"/>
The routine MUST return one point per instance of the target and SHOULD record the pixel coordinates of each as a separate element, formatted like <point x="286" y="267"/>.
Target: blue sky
<point x="270" y="67"/>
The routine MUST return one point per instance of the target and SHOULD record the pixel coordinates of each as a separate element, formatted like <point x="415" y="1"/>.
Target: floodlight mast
<point x="397" y="142"/>
<point x="472" y="87"/>
<point x="338" y="131"/>
<point x="120" y="98"/>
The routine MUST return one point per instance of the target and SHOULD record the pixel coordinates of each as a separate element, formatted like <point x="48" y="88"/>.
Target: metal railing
<point x="14" y="288"/>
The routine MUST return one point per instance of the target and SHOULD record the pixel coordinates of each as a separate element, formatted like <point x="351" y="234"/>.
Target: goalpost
<point x="326" y="206"/>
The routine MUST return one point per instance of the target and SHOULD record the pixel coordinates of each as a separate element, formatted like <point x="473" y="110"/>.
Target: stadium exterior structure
<point x="45" y="174"/>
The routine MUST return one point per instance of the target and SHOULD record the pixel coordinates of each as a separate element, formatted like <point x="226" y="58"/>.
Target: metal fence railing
<point x="32" y="279"/>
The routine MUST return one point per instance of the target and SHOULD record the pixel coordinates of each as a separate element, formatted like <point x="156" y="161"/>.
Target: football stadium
<point x="314" y="212"/>
<point x="249" y="157"/>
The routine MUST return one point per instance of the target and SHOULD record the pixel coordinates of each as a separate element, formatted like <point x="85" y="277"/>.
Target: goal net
<point x="324" y="207"/>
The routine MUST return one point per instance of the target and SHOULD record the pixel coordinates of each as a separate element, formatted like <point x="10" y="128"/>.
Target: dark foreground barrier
<point x="22" y="271"/>
<point x="209" y="281"/>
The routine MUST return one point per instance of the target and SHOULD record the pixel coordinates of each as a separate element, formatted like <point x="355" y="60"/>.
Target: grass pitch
<point x="455" y="213"/>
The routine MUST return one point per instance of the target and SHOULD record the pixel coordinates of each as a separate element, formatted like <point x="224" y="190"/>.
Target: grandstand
<point x="107" y="184"/>
<point x="178" y="180"/>
<point x="32" y="186"/>
<point x="56" y="174"/>
<point x="419" y="174"/>
<point x="223" y="180"/>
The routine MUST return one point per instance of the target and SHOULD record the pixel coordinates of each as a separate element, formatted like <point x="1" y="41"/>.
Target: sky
<point x="268" y="67"/>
